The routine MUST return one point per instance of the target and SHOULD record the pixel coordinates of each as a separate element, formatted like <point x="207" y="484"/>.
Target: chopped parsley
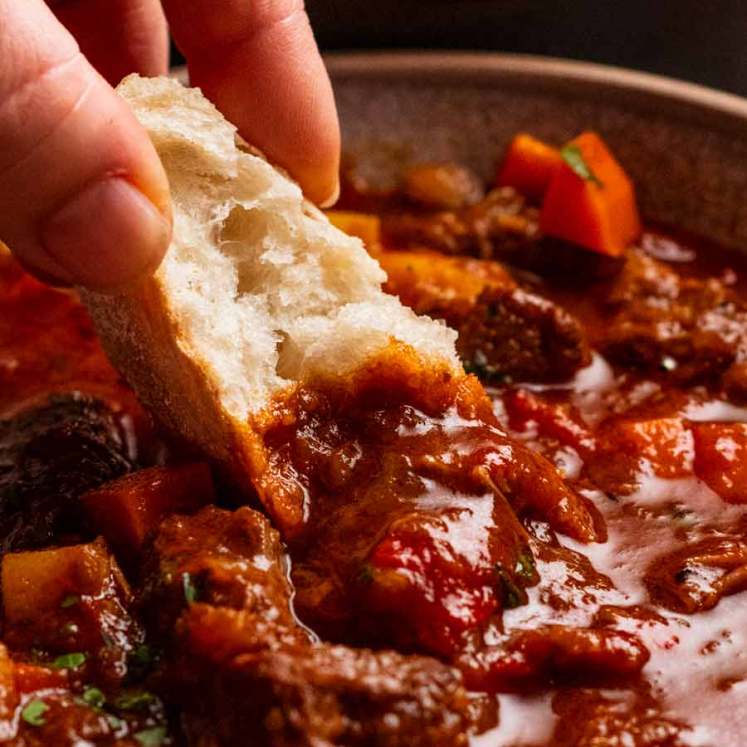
<point x="512" y="594"/>
<point x="365" y="574"/>
<point x="190" y="590"/>
<point x="525" y="567"/>
<point x="134" y="701"/>
<point x="113" y="721"/>
<point x="93" y="697"/>
<point x="484" y="371"/>
<point x="573" y="156"/>
<point x="69" y="661"/>
<point x="151" y="737"/>
<point x="69" y="601"/>
<point x="33" y="712"/>
<point x="140" y="661"/>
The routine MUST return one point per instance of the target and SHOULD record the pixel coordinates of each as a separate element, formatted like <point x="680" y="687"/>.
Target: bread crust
<point x="143" y="339"/>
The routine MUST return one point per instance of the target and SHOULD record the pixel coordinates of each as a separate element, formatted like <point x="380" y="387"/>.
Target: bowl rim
<point x="644" y="91"/>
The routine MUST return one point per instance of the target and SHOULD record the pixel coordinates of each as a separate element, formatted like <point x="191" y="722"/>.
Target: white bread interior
<point x="258" y="290"/>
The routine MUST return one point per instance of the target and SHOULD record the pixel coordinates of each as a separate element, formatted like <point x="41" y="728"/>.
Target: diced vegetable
<point x="127" y="509"/>
<point x="529" y="166"/>
<point x="442" y="186"/>
<point x="35" y="584"/>
<point x="721" y="458"/>
<point x="591" y="200"/>
<point x="69" y="661"/>
<point x="96" y="632"/>
<point x="363" y="225"/>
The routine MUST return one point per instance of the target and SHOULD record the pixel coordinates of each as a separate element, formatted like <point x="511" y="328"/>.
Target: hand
<point x="83" y="197"/>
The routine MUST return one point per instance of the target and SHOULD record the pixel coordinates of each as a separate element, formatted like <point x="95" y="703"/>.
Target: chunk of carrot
<point x="125" y="510"/>
<point x="365" y="226"/>
<point x="721" y="458"/>
<point x="529" y="166"/>
<point x="591" y="200"/>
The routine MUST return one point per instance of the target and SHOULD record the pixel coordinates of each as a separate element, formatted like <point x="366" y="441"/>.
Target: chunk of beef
<point x="696" y="577"/>
<point x="592" y="718"/>
<point x="323" y="695"/>
<point x="527" y="659"/>
<point x="50" y="454"/>
<point x="249" y="672"/>
<point x="687" y="329"/>
<point x="500" y="225"/>
<point x="505" y="332"/>
<point x="225" y="560"/>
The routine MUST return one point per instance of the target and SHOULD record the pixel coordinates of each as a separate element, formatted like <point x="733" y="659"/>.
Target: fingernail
<point x="332" y="199"/>
<point x="107" y="236"/>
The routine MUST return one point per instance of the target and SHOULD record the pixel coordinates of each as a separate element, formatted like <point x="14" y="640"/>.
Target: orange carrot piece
<point x="591" y="200"/>
<point x="529" y="166"/>
<point x="365" y="226"/>
<point x="125" y="510"/>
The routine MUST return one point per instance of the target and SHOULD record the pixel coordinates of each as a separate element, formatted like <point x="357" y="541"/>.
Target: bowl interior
<point x="684" y="145"/>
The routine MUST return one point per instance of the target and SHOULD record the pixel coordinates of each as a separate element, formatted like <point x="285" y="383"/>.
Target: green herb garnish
<point x="573" y="156"/>
<point x="190" y="590"/>
<point x="93" y="697"/>
<point x="69" y="661"/>
<point x="511" y="593"/>
<point x="69" y="601"/>
<point x="525" y="567"/>
<point x="151" y="737"/>
<point x="134" y="701"/>
<point x="484" y="371"/>
<point x="365" y="574"/>
<point x="113" y="721"/>
<point x="33" y="712"/>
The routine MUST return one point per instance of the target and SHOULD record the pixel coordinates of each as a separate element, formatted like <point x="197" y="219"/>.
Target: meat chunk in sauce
<point x="50" y="454"/>
<point x="696" y="577"/>
<point x="505" y="333"/>
<point x="589" y="718"/>
<point x="327" y="695"/>
<point x="249" y="671"/>
<point x="500" y="225"/>
<point x="692" y="330"/>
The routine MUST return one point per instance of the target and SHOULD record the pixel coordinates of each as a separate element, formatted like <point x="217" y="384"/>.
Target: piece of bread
<point x="258" y="291"/>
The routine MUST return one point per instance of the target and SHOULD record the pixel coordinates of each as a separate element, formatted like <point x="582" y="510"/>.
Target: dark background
<point x="698" y="40"/>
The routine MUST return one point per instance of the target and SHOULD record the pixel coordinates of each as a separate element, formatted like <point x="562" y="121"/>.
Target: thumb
<point x="83" y="196"/>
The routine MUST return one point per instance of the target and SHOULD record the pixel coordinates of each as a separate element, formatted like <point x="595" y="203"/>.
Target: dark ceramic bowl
<point x="685" y="145"/>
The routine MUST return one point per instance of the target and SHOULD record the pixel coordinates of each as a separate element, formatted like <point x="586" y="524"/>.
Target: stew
<point x="551" y="551"/>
